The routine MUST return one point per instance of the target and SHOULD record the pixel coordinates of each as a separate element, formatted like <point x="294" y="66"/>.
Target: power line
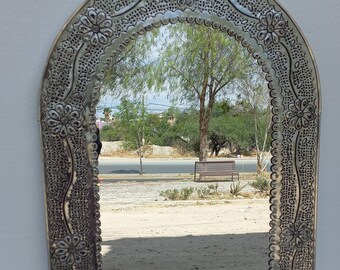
<point x="101" y="107"/>
<point x="163" y="105"/>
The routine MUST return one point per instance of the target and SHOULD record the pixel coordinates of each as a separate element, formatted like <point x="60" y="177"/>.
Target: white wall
<point x="28" y="29"/>
<point x="319" y="20"/>
<point x="27" y="32"/>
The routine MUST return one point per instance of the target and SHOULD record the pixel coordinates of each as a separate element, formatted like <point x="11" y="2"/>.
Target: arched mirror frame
<point x="97" y="32"/>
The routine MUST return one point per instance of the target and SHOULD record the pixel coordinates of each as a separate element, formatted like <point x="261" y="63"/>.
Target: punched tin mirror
<point x="82" y="53"/>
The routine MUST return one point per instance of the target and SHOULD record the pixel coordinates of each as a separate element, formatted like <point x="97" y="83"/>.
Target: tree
<point x="160" y="131"/>
<point x="109" y="134"/>
<point x="230" y="127"/>
<point x="131" y="122"/>
<point x="186" y="130"/>
<point x="131" y="69"/>
<point x="194" y="64"/>
<point x="217" y="142"/>
<point x="255" y="99"/>
<point x="200" y="65"/>
<point x="107" y="112"/>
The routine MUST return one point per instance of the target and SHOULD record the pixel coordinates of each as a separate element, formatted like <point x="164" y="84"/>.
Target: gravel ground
<point x="148" y="192"/>
<point x="142" y="231"/>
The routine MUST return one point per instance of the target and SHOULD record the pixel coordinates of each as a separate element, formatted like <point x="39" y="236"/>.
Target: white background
<point x="27" y="31"/>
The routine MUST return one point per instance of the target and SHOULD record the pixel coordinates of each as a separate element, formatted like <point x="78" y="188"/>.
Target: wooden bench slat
<point x="215" y="168"/>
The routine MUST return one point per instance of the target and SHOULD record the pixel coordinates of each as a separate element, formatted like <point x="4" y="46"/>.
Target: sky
<point x="154" y="103"/>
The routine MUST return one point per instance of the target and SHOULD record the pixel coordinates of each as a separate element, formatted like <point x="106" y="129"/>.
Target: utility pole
<point x="142" y="140"/>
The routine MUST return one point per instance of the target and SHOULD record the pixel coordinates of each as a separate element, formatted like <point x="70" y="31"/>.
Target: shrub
<point x="186" y="193"/>
<point x="213" y="189"/>
<point x="175" y="194"/>
<point x="236" y="188"/>
<point x="261" y="183"/>
<point x="170" y="194"/>
<point x="203" y="192"/>
<point x="109" y="134"/>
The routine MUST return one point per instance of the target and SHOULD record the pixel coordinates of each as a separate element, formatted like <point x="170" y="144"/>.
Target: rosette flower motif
<point x="300" y="113"/>
<point x="63" y="120"/>
<point x="71" y="250"/>
<point x="271" y="28"/>
<point x="95" y="27"/>
<point x="185" y="2"/>
<point x="297" y="234"/>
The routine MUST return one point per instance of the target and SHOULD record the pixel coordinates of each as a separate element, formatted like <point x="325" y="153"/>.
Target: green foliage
<point x="213" y="188"/>
<point x="175" y="194"/>
<point x="186" y="193"/>
<point x="236" y="188"/>
<point x="261" y="183"/>
<point x="235" y="128"/>
<point x="170" y="194"/>
<point x="134" y="123"/>
<point x="109" y="134"/>
<point x="192" y="55"/>
<point x="230" y="126"/>
<point x="254" y="97"/>
<point x="203" y="192"/>
<point x="206" y="192"/>
<point x="186" y="130"/>
<point x="194" y="64"/>
<point x="131" y="123"/>
<point x="198" y="66"/>
<point x="159" y="131"/>
<point x="107" y="112"/>
<point x="132" y="70"/>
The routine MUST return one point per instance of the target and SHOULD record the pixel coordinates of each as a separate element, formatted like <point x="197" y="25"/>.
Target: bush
<point x="236" y="188"/>
<point x="261" y="183"/>
<point x="109" y="134"/>
<point x="170" y="194"/>
<point x="186" y="193"/>
<point x="175" y="194"/>
<point x="213" y="189"/>
<point x="204" y="192"/>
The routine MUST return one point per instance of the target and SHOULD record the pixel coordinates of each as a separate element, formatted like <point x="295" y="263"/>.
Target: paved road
<point x="161" y="166"/>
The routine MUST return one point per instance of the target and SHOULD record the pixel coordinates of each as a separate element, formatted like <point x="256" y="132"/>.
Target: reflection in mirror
<point x="94" y="40"/>
<point x="177" y="95"/>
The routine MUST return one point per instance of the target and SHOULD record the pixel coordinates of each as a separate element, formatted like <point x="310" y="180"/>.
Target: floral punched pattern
<point x="297" y="234"/>
<point x="71" y="250"/>
<point x="271" y="28"/>
<point x="87" y="47"/>
<point x="95" y="27"/>
<point x="63" y="120"/>
<point x="185" y="2"/>
<point x="300" y="113"/>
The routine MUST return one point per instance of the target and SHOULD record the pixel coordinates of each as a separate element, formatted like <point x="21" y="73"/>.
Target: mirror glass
<point x="184" y="121"/>
<point x="89" y="53"/>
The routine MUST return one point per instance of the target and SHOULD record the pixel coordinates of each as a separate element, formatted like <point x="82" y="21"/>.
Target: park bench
<point x="215" y="168"/>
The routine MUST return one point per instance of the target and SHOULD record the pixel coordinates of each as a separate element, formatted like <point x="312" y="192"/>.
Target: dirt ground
<point x="141" y="231"/>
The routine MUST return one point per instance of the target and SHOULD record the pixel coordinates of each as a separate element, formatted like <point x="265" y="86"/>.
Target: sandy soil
<point x="149" y="234"/>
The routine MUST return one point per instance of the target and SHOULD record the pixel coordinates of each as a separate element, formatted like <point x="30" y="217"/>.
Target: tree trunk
<point x="204" y="126"/>
<point x="204" y="147"/>
<point x="215" y="150"/>
<point x="218" y="149"/>
<point x="213" y="145"/>
<point x="140" y="154"/>
<point x="259" y="165"/>
<point x="205" y="114"/>
<point x="140" y="163"/>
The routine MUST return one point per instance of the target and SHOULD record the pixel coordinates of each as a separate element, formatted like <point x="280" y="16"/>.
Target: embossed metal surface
<point x="80" y="57"/>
